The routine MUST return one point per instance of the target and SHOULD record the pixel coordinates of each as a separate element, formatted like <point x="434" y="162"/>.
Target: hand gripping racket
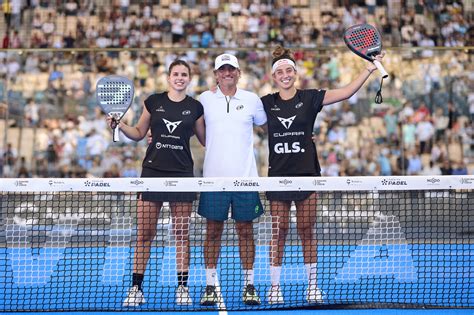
<point x="114" y="95"/>
<point x="365" y="41"/>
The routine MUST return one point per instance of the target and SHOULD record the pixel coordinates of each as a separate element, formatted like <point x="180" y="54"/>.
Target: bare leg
<point x="280" y="211"/>
<point x="305" y="220"/>
<point x="246" y="244"/>
<point x="181" y="213"/>
<point x="147" y="217"/>
<point x="212" y="243"/>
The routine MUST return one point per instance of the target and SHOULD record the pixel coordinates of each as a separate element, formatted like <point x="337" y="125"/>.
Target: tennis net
<point x="68" y="244"/>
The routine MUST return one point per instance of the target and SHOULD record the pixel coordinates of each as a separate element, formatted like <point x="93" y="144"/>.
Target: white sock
<point x="211" y="276"/>
<point x="275" y="272"/>
<point x="312" y="273"/>
<point x="248" y="276"/>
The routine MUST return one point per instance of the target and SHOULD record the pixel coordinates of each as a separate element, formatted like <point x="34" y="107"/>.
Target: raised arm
<point x="337" y="95"/>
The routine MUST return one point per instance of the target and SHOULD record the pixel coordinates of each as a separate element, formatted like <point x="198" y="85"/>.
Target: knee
<point x="305" y="231"/>
<point x="244" y="231"/>
<point x="146" y="235"/>
<point x="214" y="232"/>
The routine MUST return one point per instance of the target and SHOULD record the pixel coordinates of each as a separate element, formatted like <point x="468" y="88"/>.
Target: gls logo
<point x="280" y="148"/>
<point x="171" y="125"/>
<point x="286" y="122"/>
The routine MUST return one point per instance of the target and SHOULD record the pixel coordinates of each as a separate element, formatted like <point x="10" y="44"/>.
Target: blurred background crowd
<point x="54" y="52"/>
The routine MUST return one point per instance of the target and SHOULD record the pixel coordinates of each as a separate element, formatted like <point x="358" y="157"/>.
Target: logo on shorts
<point x="286" y="122"/>
<point x="257" y="208"/>
<point x="171" y="125"/>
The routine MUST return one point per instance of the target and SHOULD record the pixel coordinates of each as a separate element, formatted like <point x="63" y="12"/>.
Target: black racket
<point x="114" y="95"/>
<point x="365" y="41"/>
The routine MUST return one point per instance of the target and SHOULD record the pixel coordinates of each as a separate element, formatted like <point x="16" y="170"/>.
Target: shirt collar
<point x="237" y="95"/>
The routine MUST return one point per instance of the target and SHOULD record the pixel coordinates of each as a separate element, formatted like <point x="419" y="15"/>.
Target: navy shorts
<point x="166" y="196"/>
<point x="245" y="206"/>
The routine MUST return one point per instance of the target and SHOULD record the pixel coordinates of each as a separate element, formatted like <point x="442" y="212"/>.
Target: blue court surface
<point x="92" y="279"/>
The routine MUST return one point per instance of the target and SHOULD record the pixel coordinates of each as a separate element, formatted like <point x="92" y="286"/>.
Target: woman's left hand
<point x="370" y="65"/>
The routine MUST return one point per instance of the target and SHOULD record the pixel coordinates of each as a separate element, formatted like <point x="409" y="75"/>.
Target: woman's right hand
<point x="112" y="123"/>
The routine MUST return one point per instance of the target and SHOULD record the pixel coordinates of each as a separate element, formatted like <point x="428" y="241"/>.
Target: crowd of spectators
<point x="423" y="127"/>
<point x="118" y="24"/>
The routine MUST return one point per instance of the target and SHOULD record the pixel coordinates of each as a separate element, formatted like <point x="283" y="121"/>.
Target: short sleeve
<point x="317" y="98"/>
<point x="199" y="109"/>
<point x="150" y="101"/>
<point x="260" y="116"/>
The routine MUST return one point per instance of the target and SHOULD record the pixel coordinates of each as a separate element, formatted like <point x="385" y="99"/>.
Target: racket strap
<point x="378" y="96"/>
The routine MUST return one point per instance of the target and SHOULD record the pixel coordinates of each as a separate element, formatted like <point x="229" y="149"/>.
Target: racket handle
<point x="381" y="69"/>
<point x="116" y="134"/>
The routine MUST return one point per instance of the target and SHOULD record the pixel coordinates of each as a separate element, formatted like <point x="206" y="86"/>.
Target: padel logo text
<point x="96" y="184"/>
<point x="246" y="183"/>
<point x="394" y="182"/>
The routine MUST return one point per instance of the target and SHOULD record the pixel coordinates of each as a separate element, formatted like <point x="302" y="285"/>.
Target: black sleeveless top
<point x="171" y="127"/>
<point x="290" y="129"/>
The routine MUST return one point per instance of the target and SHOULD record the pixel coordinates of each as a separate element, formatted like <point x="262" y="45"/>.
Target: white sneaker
<point x="182" y="296"/>
<point x="274" y="295"/>
<point x="135" y="297"/>
<point x="314" y="295"/>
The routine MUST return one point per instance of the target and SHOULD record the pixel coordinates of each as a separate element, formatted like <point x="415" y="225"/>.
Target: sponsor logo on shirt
<point x="160" y="109"/>
<point x="239" y="107"/>
<point x="275" y="108"/>
<point x="171" y="125"/>
<point x="286" y="122"/>
<point x="284" y="147"/>
<point x="160" y="145"/>
<point x="186" y="112"/>
<point x="299" y="105"/>
<point x="287" y="134"/>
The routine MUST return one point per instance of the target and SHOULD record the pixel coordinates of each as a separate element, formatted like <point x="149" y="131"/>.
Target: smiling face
<point x="179" y="78"/>
<point x="284" y="76"/>
<point x="227" y="76"/>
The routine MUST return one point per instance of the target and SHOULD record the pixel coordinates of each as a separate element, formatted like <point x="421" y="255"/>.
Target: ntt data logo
<point x="96" y="184"/>
<point x="393" y="182"/>
<point x="245" y="183"/>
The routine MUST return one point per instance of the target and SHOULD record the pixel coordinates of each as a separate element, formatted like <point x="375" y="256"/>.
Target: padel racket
<point x="365" y="41"/>
<point x="114" y="95"/>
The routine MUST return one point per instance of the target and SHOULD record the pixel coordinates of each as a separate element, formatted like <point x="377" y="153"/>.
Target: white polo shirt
<point x="229" y="133"/>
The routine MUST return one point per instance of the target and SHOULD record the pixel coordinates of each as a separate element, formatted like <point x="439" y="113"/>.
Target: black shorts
<point x="166" y="196"/>
<point x="289" y="195"/>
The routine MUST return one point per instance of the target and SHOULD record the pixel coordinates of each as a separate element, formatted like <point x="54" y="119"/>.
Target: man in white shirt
<point x="230" y="114"/>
